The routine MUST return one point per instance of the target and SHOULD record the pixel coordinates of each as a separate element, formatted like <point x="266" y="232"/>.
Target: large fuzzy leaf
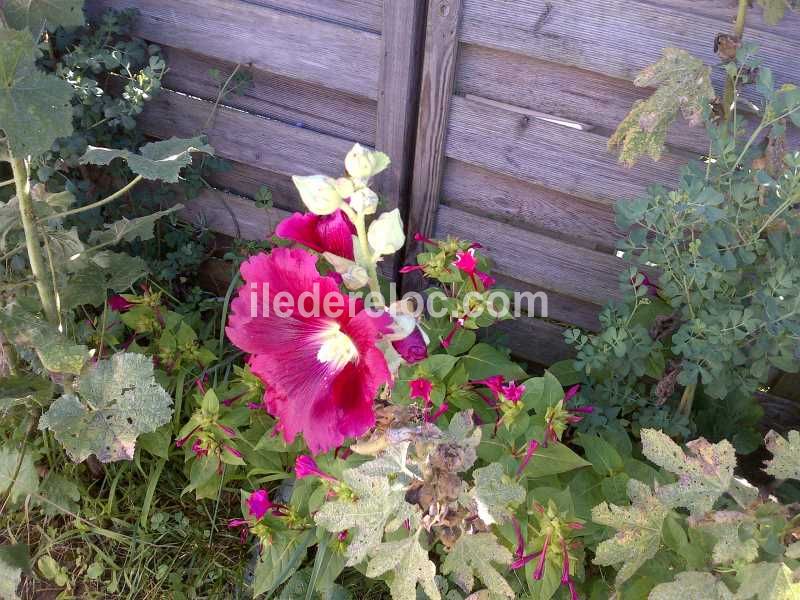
<point x="103" y="271"/>
<point x="724" y="526"/>
<point x="17" y="484"/>
<point x="128" y="230"/>
<point x="691" y="585"/>
<point x="119" y="400"/>
<point x="35" y="107"/>
<point x="704" y="474"/>
<point x="410" y="565"/>
<point x="57" y="353"/>
<point x="36" y="15"/>
<point x="157" y="160"/>
<point x="495" y="494"/>
<point x="638" y="526"/>
<point x="472" y="556"/>
<point x="378" y="507"/>
<point x="767" y="581"/>
<point x="785" y="462"/>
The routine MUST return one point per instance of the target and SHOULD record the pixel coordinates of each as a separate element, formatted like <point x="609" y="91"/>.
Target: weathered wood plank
<point x="559" y="90"/>
<point x="291" y="45"/>
<point x="232" y="215"/>
<point x="531" y="207"/>
<point x="246" y="138"/>
<point x="536" y="259"/>
<point x="363" y="14"/>
<point x="274" y="96"/>
<point x="398" y="94"/>
<point x="438" y="73"/>
<point x="614" y="37"/>
<point x="244" y="180"/>
<point x="534" y="340"/>
<point x="549" y="155"/>
<point x="725" y="10"/>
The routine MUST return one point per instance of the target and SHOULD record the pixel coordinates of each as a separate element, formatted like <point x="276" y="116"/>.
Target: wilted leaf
<point x="785" y="462"/>
<point x="121" y="400"/>
<point x="17" y="484"/>
<point x="495" y="493"/>
<point x="36" y="15"/>
<point x="683" y="85"/>
<point x="57" y="353"/>
<point x="691" y="585"/>
<point x="638" y="526"/>
<point x="379" y="506"/>
<point x="410" y="565"/>
<point x="724" y="526"/>
<point x="35" y="107"/>
<point x="158" y="160"/>
<point x="473" y="556"/>
<point x="704" y="474"/>
<point x="767" y="581"/>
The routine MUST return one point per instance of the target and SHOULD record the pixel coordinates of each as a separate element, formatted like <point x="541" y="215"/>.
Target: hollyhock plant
<point x="321" y="372"/>
<point x="329" y="233"/>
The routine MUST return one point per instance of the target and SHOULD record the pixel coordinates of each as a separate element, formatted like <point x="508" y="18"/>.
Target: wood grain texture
<point x="511" y="200"/>
<point x="274" y="96"/>
<point x="549" y="155"/>
<point x="246" y="138"/>
<point x="541" y="261"/>
<point x="244" y="180"/>
<point x="534" y="340"/>
<point x="232" y="215"/>
<point x="614" y="37"/>
<point x="559" y="90"/>
<point x="362" y="14"/>
<point x="438" y="73"/>
<point x="280" y="42"/>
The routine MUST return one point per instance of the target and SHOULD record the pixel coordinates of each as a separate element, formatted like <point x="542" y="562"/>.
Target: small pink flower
<point x="227" y="430"/>
<point x="421" y="388"/>
<point x="418" y="237"/>
<point x="411" y="268"/>
<point x="342" y="535"/>
<point x="245" y="528"/>
<point x="533" y="445"/>
<point x="523" y="560"/>
<point x="233" y="451"/>
<point x="565" y="563"/>
<point x="198" y="448"/>
<point x="119" y="304"/>
<point x="495" y="384"/>
<point x="467" y="263"/>
<point x="259" y="504"/>
<point x="512" y="391"/>
<point x="520" y="549"/>
<point x="448" y="339"/>
<point x="652" y="288"/>
<point x="305" y="466"/>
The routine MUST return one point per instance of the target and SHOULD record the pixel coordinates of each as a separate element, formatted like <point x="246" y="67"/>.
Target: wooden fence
<point x="501" y="109"/>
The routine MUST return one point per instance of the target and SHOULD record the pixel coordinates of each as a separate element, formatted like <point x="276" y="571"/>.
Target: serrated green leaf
<point x="157" y="161"/>
<point x="472" y="556"/>
<point x="121" y="400"/>
<point x="495" y="493"/>
<point x="767" y="581"/>
<point x="37" y="15"/>
<point x="378" y="507"/>
<point x="57" y="353"/>
<point x="692" y="586"/>
<point x="724" y="525"/>
<point x="35" y="107"/>
<point x="704" y="474"/>
<point x="785" y="461"/>
<point x="63" y="495"/>
<point x="638" y="526"/>
<point x="17" y="485"/>
<point x="409" y="562"/>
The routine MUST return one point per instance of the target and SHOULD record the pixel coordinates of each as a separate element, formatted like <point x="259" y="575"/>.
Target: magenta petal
<point x="331" y="233"/>
<point x="119" y="304"/>
<point x="572" y="392"/>
<point x="421" y="388"/>
<point x="258" y="503"/>
<point x="413" y="347"/>
<point x="466" y="261"/>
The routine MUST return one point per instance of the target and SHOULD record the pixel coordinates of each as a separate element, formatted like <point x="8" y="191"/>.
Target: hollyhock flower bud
<point x="385" y="234"/>
<point x="345" y="187"/>
<point x="305" y="466"/>
<point x="318" y="193"/>
<point x="364" y="163"/>
<point x="258" y="503"/>
<point x="354" y="276"/>
<point x="364" y="201"/>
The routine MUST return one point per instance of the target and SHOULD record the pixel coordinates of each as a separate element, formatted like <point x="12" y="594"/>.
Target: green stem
<point x="685" y="407"/>
<point x="35" y="255"/>
<point x="99" y="203"/>
<point x="359" y="220"/>
<point x="155" y="475"/>
<point x="7" y="182"/>
<point x="738" y="31"/>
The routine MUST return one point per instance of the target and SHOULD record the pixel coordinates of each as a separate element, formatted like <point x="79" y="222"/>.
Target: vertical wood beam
<point x="436" y="91"/>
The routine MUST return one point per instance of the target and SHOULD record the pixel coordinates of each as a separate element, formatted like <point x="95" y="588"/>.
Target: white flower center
<point x="336" y="349"/>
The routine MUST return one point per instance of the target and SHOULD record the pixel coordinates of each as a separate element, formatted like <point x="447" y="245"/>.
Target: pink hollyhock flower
<point x="119" y="304"/>
<point x="305" y="466"/>
<point x="322" y="373"/>
<point x="421" y="388"/>
<point x="259" y="504"/>
<point x="412" y="347"/>
<point x="330" y="233"/>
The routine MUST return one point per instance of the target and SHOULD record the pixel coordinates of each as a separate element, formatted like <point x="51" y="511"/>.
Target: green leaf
<point x="554" y="459"/>
<point x="704" y="474"/>
<point x="128" y="230"/>
<point x="57" y="353"/>
<point x="604" y="457"/>
<point x="36" y="15"/>
<point x="484" y="361"/>
<point x="785" y="461"/>
<point x="17" y="485"/>
<point x="379" y="506"/>
<point x="409" y="562"/>
<point x="19" y="390"/>
<point x="121" y="400"/>
<point x="767" y="581"/>
<point x="774" y="10"/>
<point x="565" y="372"/>
<point x="102" y="272"/>
<point x="35" y="107"/>
<point x="14" y="559"/>
<point x="473" y="555"/>
<point x="158" y="160"/>
<point x="280" y="559"/>
<point x="495" y="494"/>
<point x="691" y="585"/>
<point x="63" y="495"/>
<point x="724" y="526"/>
<point x="639" y="530"/>
<point x="542" y="392"/>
